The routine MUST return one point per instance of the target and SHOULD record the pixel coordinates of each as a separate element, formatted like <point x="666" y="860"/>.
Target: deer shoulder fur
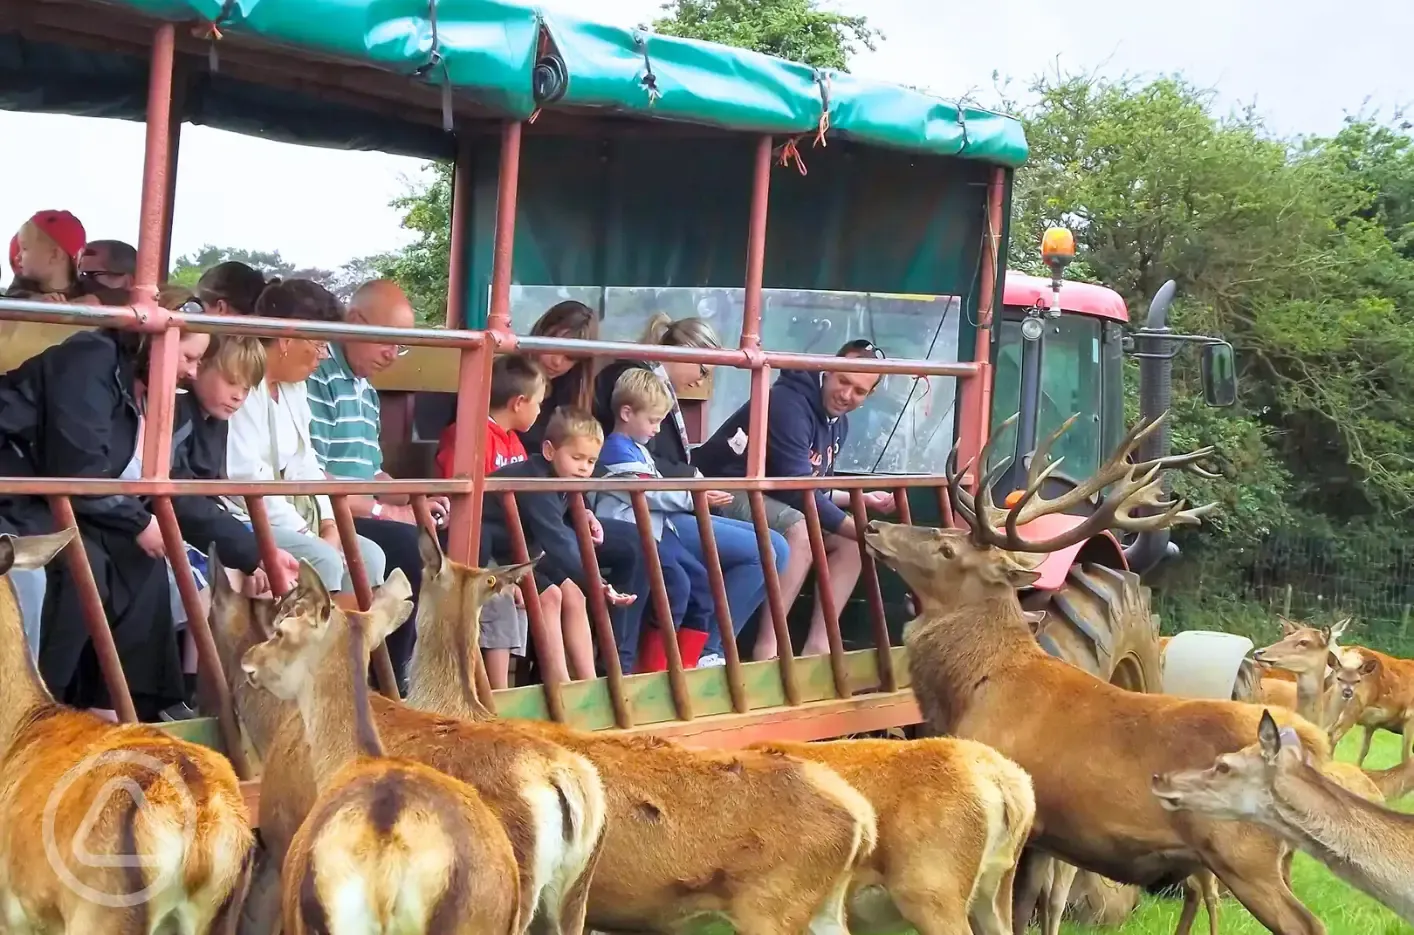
<point x="390" y="844"/>
<point x="73" y="784"/>
<point x="549" y="800"/>
<point x="769" y="841"/>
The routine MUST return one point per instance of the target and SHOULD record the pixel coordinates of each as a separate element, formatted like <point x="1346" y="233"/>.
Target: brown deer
<point x="1309" y="653"/>
<point x="953" y="818"/>
<point x="1350" y="687"/>
<point x="769" y="841"/>
<point x="390" y="845"/>
<point x="1388" y="684"/>
<point x="1276" y="784"/>
<point x="549" y="800"/>
<point x="106" y="829"/>
<point x="1090" y="747"/>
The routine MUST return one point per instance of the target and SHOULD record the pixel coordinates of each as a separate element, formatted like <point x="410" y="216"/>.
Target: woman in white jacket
<point x="269" y="439"/>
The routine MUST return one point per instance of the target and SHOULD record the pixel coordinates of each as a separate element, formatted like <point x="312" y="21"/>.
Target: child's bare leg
<point x="579" y="640"/>
<point x="798" y="564"/>
<point x="189" y="657"/>
<point x="498" y="667"/>
<point x="844" y="574"/>
<point x="550" y="644"/>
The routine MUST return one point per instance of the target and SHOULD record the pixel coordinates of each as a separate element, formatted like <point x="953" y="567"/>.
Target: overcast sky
<point x="1304" y="63"/>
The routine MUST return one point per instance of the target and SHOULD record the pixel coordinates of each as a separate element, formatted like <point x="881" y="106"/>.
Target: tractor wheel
<point x="1100" y="621"/>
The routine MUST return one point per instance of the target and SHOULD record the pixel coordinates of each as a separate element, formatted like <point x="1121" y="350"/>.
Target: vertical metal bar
<point x="458" y="290"/>
<point x="553" y="691"/>
<point x="481" y="681"/>
<point x="756" y="245"/>
<point x="180" y="84"/>
<point x="599" y="612"/>
<point x="507" y="188"/>
<point x="156" y="161"/>
<point x="473" y="400"/>
<point x="677" y="681"/>
<point x="208" y="660"/>
<point x="947" y="519"/>
<point x="363" y="592"/>
<point x="94" y="617"/>
<point x="870" y="574"/>
<point x="756" y="422"/>
<point x="161" y="380"/>
<point x="265" y="542"/>
<point x="976" y="391"/>
<point x="905" y="510"/>
<point x="774" y="600"/>
<point x="736" y="686"/>
<point x="825" y="595"/>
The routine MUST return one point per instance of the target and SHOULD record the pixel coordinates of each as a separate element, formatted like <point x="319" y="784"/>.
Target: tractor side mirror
<point x="1219" y="375"/>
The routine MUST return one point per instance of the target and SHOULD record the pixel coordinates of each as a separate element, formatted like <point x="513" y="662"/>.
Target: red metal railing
<point x="467" y="487"/>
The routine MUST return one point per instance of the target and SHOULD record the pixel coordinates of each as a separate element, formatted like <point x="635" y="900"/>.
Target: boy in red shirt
<point x="517" y="390"/>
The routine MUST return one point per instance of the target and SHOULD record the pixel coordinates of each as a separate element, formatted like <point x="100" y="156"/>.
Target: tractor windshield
<point x="1072" y="381"/>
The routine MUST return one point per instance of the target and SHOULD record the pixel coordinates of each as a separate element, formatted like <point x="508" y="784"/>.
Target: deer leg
<point x="941" y="912"/>
<point x="1365" y="744"/>
<point x="1210" y="894"/>
<point x="1062" y="878"/>
<point x="1252" y="871"/>
<point x="228" y="919"/>
<point x="1033" y="872"/>
<point x="261" y="914"/>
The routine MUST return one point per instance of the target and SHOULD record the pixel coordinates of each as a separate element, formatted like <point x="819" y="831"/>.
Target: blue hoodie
<point x="803" y="440"/>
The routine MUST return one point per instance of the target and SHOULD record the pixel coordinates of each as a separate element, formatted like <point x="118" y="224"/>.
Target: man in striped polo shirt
<point x="345" y="432"/>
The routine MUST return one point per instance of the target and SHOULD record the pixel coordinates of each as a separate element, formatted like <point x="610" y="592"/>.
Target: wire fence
<point x="1304" y="577"/>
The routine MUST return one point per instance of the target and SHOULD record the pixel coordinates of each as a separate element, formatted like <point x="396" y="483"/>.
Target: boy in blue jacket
<point x="806" y="427"/>
<point x="640" y="402"/>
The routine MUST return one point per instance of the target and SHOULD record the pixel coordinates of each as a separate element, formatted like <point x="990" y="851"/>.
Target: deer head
<point x="993" y="552"/>
<point x="1238" y="786"/>
<point x="304" y="620"/>
<point x="451" y="586"/>
<point x="1350" y="668"/>
<point x="1303" y="649"/>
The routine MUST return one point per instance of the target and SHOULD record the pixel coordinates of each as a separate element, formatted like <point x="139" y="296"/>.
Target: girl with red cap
<point x="44" y="257"/>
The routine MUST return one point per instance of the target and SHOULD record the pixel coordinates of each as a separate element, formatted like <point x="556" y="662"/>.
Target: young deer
<point x="1090" y="747"/>
<point x="1309" y="653"/>
<point x="167" y="816"/>
<point x="953" y="818"/>
<point x="1388" y="684"/>
<point x="390" y="845"/>
<point x="549" y="800"/>
<point x="1275" y="784"/>
<point x="769" y="841"/>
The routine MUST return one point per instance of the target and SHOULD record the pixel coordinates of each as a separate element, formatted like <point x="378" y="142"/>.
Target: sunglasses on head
<point x="861" y="346"/>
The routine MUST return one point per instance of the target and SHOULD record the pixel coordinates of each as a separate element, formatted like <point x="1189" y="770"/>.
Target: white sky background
<point x="1305" y="63"/>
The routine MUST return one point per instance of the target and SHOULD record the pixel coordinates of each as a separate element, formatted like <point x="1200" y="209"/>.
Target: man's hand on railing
<point x="440" y="508"/>
<point x="719" y="497"/>
<point x="150" y="539"/>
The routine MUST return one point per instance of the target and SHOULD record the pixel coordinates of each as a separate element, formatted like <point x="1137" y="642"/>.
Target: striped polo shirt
<point x="346" y="419"/>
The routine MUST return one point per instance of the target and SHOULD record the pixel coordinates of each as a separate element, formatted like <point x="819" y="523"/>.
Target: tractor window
<point x="1070" y="383"/>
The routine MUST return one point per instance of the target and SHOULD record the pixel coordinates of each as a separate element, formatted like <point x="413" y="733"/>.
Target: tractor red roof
<point x="1084" y="298"/>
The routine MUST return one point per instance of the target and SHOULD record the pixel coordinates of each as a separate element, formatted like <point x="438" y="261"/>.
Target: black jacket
<point x="804" y="441"/>
<point x="199" y="453"/>
<point x="545" y="521"/>
<point x="561" y="392"/>
<point x="70" y="412"/>
<point x="667" y="448"/>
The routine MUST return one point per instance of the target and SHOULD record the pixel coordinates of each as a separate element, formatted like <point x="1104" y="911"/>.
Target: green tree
<point x="188" y="269"/>
<point x="793" y="29"/>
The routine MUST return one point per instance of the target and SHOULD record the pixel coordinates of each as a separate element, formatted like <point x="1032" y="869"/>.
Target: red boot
<point x="652" y="655"/>
<point x="690" y="643"/>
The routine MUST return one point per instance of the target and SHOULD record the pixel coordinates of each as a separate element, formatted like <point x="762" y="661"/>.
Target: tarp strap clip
<point x="436" y="60"/>
<point x="212" y="33"/>
<point x="649" y="80"/>
<point x="787" y="153"/>
<point x="822" y="78"/>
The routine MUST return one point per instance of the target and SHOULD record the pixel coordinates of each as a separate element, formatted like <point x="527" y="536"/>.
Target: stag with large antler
<point x="1090" y="747"/>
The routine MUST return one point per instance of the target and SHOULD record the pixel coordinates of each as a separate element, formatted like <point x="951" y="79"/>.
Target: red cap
<point x="63" y="228"/>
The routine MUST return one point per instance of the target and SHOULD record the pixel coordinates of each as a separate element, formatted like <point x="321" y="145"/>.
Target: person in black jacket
<point x="571" y="449"/>
<point x="806" y="426"/>
<point x="75" y="410"/>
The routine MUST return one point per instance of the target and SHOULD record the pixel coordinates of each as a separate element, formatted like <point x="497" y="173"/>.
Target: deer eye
<point x="947" y="550"/>
<point x="490" y="581"/>
<point x="1223" y="768"/>
<point x="1303" y="643"/>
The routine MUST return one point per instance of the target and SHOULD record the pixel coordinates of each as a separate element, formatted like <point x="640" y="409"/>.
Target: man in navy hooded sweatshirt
<point x="806" y="427"/>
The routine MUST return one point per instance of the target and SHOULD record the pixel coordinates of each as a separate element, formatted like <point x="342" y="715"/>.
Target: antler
<point x="1135" y="485"/>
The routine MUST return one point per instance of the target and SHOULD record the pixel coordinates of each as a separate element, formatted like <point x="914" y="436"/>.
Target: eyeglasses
<point x="863" y="345"/>
<point x="192" y="307"/>
<point x="401" y="350"/>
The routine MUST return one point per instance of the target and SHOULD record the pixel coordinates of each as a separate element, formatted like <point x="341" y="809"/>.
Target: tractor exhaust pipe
<point x="1155" y="397"/>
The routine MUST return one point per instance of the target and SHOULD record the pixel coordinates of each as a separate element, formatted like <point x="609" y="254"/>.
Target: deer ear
<point x="1269" y="737"/>
<point x="1034" y="619"/>
<point x="1332" y="660"/>
<point x="1287" y="627"/>
<point x="502" y="578"/>
<point x="434" y="560"/>
<point x="29" y="552"/>
<point x="1337" y="630"/>
<point x="1368" y="666"/>
<point x="310" y="592"/>
<point x="1020" y="567"/>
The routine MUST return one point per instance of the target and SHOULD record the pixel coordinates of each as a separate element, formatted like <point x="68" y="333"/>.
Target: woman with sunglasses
<point x="736" y="540"/>
<point x="78" y="410"/>
<point x="270" y="438"/>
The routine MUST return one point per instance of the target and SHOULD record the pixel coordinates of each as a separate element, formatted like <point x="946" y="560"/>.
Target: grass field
<point x="1344" y="910"/>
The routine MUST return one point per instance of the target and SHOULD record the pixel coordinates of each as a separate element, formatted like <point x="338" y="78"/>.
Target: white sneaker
<point x="711" y="660"/>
